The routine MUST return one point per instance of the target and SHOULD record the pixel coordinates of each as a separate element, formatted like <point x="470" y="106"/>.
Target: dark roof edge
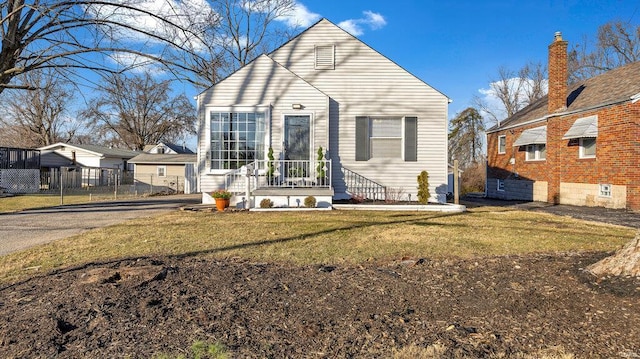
<point x="546" y="117"/>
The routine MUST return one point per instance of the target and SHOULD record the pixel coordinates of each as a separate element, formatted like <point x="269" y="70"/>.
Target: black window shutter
<point x="362" y="138"/>
<point x="411" y="139"/>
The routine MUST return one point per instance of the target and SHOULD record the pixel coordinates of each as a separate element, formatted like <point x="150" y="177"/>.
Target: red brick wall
<point x="558" y="74"/>
<point x="617" y="153"/>
<point x="499" y="164"/>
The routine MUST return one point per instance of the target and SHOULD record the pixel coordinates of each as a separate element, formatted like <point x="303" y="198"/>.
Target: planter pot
<point x="221" y="204"/>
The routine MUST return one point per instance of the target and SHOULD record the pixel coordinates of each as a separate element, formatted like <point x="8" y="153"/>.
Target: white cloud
<point x="352" y="27"/>
<point x="187" y="14"/>
<point x="374" y="20"/>
<point x="371" y="20"/>
<point x="135" y="63"/>
<point x="299" y="17"/>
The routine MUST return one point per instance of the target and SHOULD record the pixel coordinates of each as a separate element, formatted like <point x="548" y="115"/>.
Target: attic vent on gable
<point x="325" y="57"/>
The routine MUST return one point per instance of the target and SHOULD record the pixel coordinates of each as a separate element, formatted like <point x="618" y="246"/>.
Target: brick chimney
<point x="558" y="74"/>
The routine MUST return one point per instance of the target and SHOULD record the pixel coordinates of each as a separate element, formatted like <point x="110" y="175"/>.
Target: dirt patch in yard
<point x="471" y="308"/>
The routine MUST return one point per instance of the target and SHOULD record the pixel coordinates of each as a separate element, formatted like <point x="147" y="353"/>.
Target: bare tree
<point x="138" y="110"/>
<point x="234" y="33"/>
<point x="40" y="117"/>
<point x="466" y="132"/>
<point x="617" y="44"/>
<point x="74" y="34"/>
<point x="512" y="91"/>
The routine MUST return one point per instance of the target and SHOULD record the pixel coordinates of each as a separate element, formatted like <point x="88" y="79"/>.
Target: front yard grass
<point x="332" y="237"/>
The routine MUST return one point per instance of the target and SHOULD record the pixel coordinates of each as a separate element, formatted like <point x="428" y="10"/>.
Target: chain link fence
<point x="113" y="183"/>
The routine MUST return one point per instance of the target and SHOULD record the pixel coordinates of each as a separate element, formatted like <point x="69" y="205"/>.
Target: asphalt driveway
<point x="28" y="228"/>
<point x="620" y="217"/>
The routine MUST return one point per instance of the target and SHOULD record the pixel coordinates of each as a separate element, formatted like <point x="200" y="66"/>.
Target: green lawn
<point x="323" y="237"/>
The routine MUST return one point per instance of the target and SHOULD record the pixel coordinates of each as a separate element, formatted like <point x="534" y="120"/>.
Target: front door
<point x="297" y="145"/>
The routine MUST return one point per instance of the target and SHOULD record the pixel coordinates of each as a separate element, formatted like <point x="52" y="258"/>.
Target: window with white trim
<point x="386" y="137"/>
<point x="587" y="147"/>
<point x="502" y="144"/>
<point x="237" y="138"/>
<point x="536" y="152"/>
<point x="161" y="171"/>
<point x="605" y="190"/>
<point x="500" y="185"/>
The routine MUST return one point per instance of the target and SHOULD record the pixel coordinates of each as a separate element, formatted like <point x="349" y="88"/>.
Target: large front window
<point x="237" y="138"/>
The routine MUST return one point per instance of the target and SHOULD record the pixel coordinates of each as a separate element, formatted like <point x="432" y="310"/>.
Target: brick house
<point x="578" y="145"/>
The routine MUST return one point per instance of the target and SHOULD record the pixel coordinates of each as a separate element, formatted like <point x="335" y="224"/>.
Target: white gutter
<point x="634" y="99"/>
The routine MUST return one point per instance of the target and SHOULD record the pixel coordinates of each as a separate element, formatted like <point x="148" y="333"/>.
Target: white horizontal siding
<point x="365" y="83"/>
<point x="262" y="82"/>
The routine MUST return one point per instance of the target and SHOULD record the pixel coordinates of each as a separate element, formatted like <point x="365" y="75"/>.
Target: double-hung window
<point x="502" y="144"/>
<point x="237" y="138"/>
<point x="380" y="137"/>
<point x="385" y="137"/>
<point x="161" y="171"/>
<point x="536" y="152"/>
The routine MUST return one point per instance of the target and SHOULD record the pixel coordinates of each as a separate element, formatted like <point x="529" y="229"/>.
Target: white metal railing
<point x="280" y="174"/>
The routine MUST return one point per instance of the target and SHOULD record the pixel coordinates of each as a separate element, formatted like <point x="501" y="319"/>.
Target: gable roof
<point x="93" y="149"/>
<point x="153" y="158"/>
<point x="261" y="82"/>
<point x="615" y="86"/>
<point x="270" y="56"/>
<point x="327" y="21"/>
<point x="174" y="147"/>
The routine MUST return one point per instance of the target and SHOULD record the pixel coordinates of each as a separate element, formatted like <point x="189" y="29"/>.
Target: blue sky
<point x="457" y="46"/>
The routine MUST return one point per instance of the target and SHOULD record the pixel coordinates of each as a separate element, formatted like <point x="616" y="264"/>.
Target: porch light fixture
<point x="297" y="106"/>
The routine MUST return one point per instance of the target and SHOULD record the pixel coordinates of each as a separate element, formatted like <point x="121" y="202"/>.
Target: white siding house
<point x="378" y="125"/>
<point x="86" y="156"/>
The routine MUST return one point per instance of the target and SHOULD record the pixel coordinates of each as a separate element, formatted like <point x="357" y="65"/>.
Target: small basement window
<point x="325" y="57"/>
<point x="500" y="185"/>
<point x="162" y="171"/>
<point x="605" y="190"/>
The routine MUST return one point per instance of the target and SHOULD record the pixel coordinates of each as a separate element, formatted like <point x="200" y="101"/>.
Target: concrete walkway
<point x="28" y="228"/>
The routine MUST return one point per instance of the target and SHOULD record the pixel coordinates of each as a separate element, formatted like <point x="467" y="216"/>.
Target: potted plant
<point x="222" y="197"/>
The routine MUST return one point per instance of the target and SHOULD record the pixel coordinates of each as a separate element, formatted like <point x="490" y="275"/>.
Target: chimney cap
<point x="558" y="36"/>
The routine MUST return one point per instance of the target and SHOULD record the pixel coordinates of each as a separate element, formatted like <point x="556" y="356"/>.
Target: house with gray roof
<point x="579" y="145"/>
<point x="324" y="115"/>
<point x="66" y="154"/>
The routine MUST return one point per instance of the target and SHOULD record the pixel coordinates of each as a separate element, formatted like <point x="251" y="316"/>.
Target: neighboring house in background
<point x="155" y="173"/>
<point x="578" y="146"/>
<point x="167" y="148"/>
<point x="89" y="165"/>
<point x="66" y="154"/>
<point x="377" y="125"/>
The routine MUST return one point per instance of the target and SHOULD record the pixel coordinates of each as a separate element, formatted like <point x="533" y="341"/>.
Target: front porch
<point x="285" y="182"/>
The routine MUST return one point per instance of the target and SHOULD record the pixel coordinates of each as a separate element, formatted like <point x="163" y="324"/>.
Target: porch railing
<point x="363" y="187"/>
<point x="280" y="174"/>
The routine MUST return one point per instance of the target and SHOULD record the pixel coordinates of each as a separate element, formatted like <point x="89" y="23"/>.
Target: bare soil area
<point x="473" y="308"/>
